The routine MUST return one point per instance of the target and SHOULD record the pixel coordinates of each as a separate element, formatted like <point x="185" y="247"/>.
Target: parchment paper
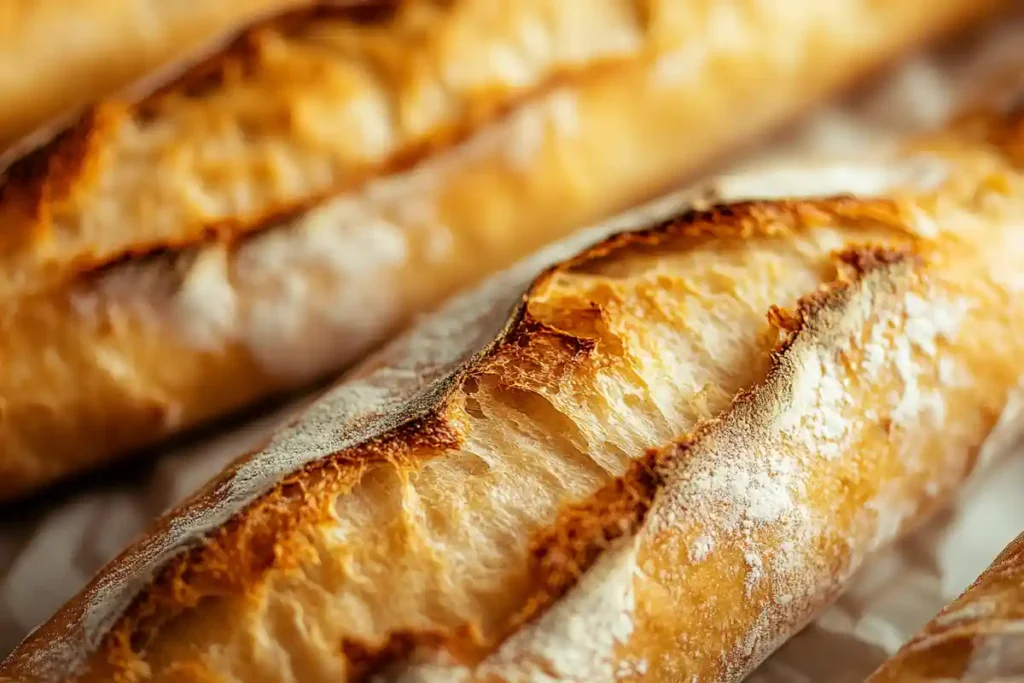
<point x="49" y="547"/>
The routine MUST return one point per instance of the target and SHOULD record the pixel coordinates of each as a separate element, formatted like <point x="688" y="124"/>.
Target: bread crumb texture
<point x="656" y="464"/>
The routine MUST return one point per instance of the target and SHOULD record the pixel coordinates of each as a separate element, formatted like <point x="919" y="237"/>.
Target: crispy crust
<point x="265" y="535"/>
<point x="617" y="509"/>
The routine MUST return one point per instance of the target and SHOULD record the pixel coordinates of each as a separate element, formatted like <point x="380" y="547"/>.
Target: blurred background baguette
<point x="265" y="218"/>
<point x="56" y="55"/>
<point x="978" y="638"/>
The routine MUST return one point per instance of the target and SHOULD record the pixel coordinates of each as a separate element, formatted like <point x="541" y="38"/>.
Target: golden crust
<point x="191" y="247"/>
<point x="45" y="182"/>
<point x="375" y="39"/>
<point x="587" y="528"/>
<point x="227" y="557"/>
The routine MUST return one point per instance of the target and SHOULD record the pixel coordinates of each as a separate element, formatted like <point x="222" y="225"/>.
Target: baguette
<point x="92" y="48"/>
<point x="979" y="637"/>
<point x="271" y="215"/>
<point x="650" y="455"/>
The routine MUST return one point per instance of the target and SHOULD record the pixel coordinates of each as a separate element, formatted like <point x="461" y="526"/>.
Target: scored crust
<point x="314" y="103"/>
<point x="269" y="216"/>
<point x="627" y="472"/>
<point x="303" y="105"/>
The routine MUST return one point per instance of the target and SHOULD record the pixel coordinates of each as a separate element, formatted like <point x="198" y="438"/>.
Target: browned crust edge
<point x="237" y="556"/>
<point x="48" y="174"/>
<point x="563" y="552"/>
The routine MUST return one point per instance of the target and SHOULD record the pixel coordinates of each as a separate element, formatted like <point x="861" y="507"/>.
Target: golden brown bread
<point x="272" y="214"/>
<point x="55" y="54"/>
<point x="977" y="638"/>
<point x="650" y="457"/>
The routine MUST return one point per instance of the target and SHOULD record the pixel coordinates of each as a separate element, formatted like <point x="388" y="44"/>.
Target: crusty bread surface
<point x="56" y="55"/>
<point x="977" y="638"/>
<point x="646" y="455"/>
<point x="270" y="215"/>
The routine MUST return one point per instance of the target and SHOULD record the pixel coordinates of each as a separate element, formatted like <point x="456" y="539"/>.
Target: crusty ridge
<point x="584" y="531"/>
<point x="50" y="199"/>
<point x="265" y="129"/>
<point x="255" y="541"/>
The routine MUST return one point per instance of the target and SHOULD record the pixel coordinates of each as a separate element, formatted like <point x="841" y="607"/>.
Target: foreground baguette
<point x="977" y="638"/>
<point x="272" y="214"/>
<point x="650" y="457"/>
<point x="58" y="54"/>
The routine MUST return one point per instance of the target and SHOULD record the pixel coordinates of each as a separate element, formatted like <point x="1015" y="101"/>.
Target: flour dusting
<point x="408" y="377"/>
